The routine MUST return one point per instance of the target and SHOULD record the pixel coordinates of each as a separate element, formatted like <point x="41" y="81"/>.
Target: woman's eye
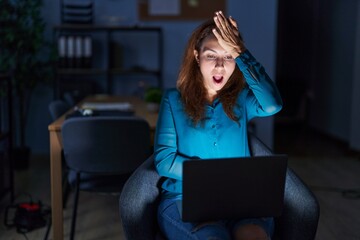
<point x="228" y="58"/>
<point x="211" y="57"/>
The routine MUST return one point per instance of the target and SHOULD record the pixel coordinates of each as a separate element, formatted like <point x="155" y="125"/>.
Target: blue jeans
<point x="174" y="228"/>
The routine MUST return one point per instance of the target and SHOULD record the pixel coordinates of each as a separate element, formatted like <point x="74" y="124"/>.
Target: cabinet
<point x="109" y="59"/>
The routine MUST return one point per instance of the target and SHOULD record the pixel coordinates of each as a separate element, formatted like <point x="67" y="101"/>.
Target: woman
<point x="219" y="89"/>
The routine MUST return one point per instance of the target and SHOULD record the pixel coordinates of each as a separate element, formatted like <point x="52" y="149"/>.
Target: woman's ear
<point x="196" y="54"/>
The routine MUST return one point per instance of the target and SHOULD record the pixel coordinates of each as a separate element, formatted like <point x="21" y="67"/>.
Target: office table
<point x="139" y="106"/>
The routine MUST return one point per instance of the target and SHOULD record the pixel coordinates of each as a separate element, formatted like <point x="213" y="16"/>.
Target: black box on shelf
<point x="77" y="11"/>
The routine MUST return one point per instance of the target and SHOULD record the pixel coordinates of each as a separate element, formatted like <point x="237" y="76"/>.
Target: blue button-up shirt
<point x="177" y="139"/>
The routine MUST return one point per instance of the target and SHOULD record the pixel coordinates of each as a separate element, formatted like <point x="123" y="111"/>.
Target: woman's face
<point x="216" y="65"/>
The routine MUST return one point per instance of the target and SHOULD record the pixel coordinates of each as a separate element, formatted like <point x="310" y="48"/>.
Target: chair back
<point x="57" y="108"/>
<point x="69" y="99"/>
<point x="113" y="145"/>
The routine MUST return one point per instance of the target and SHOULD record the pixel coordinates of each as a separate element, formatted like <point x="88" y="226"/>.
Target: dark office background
<point x="311" y="48"/>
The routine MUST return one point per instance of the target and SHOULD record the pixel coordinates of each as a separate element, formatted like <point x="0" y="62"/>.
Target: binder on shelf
<point x="62" y="51"/>
<point x="87" y="43"/>
<point x="75" y="51"/>
<point x="70" y="53"/>
<point x="79" y="52"/>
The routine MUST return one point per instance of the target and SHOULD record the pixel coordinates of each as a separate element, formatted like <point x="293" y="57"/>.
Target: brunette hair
<point x="190" y="81"/>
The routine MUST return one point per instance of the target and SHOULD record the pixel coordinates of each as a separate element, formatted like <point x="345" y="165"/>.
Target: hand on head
<point x="228" y="35"/>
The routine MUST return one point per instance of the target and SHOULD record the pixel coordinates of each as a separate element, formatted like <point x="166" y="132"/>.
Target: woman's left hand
<point x="228" y="35"/>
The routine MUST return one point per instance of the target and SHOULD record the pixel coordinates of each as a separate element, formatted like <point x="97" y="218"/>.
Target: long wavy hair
<point x="190" y="81"/>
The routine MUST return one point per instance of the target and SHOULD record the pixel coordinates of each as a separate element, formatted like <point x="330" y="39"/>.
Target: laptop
<point x="233" y="188"/>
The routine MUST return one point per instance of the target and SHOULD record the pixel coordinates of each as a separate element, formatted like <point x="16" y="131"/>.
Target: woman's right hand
<point x="228" y="35"/>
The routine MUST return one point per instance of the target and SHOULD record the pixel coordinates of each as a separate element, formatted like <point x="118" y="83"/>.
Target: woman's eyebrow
<point x="212" y="50"/>
<point x="208" y="49"/>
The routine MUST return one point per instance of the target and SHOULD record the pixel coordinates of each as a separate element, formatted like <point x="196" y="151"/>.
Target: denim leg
<point x="174" y="228"/>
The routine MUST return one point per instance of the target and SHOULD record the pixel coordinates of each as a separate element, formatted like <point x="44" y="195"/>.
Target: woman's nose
<point x="219" y="62"/>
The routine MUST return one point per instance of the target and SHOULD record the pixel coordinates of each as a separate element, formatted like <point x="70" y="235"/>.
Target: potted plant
<point x="24" y="52"/>
<point x="153" y="97"/>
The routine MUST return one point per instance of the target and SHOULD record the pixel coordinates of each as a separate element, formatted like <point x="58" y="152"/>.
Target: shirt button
<point x="215" y="144"/>
<point x="213" y="126"/>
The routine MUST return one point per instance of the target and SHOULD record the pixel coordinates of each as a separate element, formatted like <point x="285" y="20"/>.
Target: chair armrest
<point x="138" y="202"/>
<point x="300" y="216"/>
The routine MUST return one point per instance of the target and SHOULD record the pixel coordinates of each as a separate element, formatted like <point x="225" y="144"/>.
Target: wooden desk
<point x="56" y="147"/>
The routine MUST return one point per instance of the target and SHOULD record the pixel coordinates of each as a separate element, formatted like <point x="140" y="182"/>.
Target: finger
<point x="222" y="24"/>
<point x="222" y="19"/>
<point x="220" y="28"/>
<point x="233" y="22"/>
<point x="234" y="26"/>
<point x="221" y="16"/>
<point x="229" y="25"/>
<point x="217" y="35"/>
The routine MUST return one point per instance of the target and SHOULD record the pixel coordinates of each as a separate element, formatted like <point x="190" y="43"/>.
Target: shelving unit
<point x="108" y="71"/>
<point x="6" y="121"/>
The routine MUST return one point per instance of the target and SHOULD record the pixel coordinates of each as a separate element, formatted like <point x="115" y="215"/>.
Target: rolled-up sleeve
<point x="264" y="99"/>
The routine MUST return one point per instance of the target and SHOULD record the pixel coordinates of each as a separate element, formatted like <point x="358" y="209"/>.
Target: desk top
<point x="138" y="105"/>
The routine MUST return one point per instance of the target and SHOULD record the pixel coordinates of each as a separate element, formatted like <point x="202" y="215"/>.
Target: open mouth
<point x="218" y="79"/>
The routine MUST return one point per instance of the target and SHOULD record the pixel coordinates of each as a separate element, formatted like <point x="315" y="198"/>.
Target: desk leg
<point x="56" y="185"/>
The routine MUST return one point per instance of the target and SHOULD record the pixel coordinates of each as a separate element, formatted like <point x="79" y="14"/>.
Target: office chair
<point x="140" y="197"/>
<point x="57" y="108"/>
<point x="69" y="99"/>
<point x="102" y="152"/>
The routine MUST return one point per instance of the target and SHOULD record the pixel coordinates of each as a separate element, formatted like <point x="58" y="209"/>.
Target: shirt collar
<point x="214" y="103"/>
